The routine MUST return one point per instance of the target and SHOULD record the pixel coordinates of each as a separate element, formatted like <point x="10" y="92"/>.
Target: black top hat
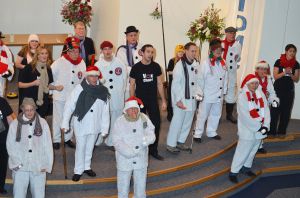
<point x="131" y="29"/>
<point x="230" y="29"/>
<point x="1" y="36"/>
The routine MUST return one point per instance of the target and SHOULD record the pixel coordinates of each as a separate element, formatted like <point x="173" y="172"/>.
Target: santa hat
<point x="249" y="79"/>
<point x="133" y="102"/>
<point x="93" y="70"/>
<point x="72" y="43"/>
<point x="33" y="37"/>
<point x="262" y="64"/>
<point x="105" y="44"/>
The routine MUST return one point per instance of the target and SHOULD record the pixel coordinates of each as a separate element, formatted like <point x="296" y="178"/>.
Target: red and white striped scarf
<point x="3" y="60"/>
<point x="256" y="105"/>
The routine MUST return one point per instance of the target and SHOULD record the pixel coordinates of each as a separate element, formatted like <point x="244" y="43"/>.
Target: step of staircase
<point x="206" y="177"/>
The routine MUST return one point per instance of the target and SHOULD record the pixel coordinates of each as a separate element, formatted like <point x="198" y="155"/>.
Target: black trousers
<point x="280" y="116"/>
<point x="3" y="163"/>
<point x="169" y="107"/>
<point x="151" y="108"/>
<point x="44" y="109"/>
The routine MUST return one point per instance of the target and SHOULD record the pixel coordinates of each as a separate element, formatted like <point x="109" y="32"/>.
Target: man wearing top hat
<point x="232" y="55"/>
<point x="129" y="53"/>
<point x="6" y="65"/>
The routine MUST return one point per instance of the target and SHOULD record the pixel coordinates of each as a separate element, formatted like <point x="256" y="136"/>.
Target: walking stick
<point x="64" y="155"/>
<point x="199" y="98"/>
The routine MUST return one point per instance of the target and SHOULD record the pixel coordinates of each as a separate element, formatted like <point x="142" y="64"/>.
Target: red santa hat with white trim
<point x="133" y="102"/>
<point x="93" y="70"/>
<point x="249" y="79"/>
<point x="262" y="64"/>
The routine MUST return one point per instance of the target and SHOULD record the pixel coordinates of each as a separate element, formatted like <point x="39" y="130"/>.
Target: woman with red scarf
<point x="286" y="72"/>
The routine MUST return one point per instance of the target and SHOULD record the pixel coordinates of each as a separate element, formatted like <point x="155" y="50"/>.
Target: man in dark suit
<point x="86" y="44"/>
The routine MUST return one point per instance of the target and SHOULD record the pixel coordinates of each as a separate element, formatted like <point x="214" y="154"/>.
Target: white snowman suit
<point x="182" y="118"/>
<point x="213" y="82"/>
<point x="131" y="140"/>
<point x="122" y="56"/>
<point x="232" y="58"/>
<point x="67" y="75"/>
<point x="34" y="153"/>
<point x="248" y="126"/>
<point x="9" y="62"/>
<point x="271" y="94"/>
<point x="115" y="75"/>
<point x="86" y="131"/>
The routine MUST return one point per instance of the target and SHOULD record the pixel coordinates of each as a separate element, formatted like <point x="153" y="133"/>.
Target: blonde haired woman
<point x="179" y="51"/>
<point x="35" y="79"/>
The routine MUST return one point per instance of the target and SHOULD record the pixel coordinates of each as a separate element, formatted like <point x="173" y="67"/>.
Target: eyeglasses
<point x="29" y="110"/>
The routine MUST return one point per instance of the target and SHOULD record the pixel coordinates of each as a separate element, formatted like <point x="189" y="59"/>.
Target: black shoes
<point x="56" y="145"/>
<point x="173" y="150"/>
<point x="90" y="173"/>
<point x="76" y="177"/>
<point x="233" y="178"/>
<point x="217" y="137"/>
<point x="198" y="140"/>
<point x="262" y="151"/>
<point x="157" y="156"/>
<point x="3" y="191"/>
<point x="249" y="173"/>
<point x="70" y="144"/>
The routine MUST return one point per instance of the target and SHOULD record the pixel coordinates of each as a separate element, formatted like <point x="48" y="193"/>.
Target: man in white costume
<point x="253" y="124"/>
<point x="29" y="147"/>
<point x="185" y="89"/>
<point x="262" y="72"/>
<point x="115" y="75"/>
<point x="232" y="55"/>
<point x="131" y="136"/>
<point x="129" y="54"/>
<point x="89" y="104"/>
<point x="213" y="82"/>
<point x="6" y="65"/>
<point x="67" y="72"/>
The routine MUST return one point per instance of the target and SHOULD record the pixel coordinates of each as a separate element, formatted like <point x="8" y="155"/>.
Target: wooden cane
<point x="63" y="150"/>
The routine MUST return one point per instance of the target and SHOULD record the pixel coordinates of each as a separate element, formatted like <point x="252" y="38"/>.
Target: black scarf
<point x="88" y="97"/>
<point x="184" y="60"/>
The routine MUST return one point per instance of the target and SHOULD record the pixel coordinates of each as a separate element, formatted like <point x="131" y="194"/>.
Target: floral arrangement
<point x="156" y="14"/>
<point x="209" y="25"/>
<point x="76" y="10"/>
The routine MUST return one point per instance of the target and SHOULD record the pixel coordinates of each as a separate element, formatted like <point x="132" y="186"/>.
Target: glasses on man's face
<point x="29" y="110"/>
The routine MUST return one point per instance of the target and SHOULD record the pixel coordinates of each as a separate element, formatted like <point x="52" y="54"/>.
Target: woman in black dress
<point x="286" y="73"/>
<point x="179" y="51"/>
<point x="35" y="79"/>
<point x="6" y="117"/>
